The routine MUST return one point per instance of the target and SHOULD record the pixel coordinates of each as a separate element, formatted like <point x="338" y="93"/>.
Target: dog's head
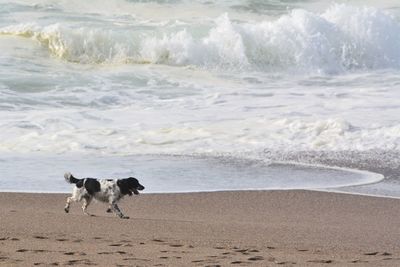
<point x="129" y="186"/>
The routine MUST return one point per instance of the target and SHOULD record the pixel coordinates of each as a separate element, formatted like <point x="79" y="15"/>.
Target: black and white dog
<point x="104" y="190"/>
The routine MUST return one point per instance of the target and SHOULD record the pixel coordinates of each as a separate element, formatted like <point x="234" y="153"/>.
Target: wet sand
<point x="259" y="228"/>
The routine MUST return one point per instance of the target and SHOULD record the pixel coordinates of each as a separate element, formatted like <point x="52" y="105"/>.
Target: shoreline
<point x="329" y="191"/>
<point x="247" y="228"/>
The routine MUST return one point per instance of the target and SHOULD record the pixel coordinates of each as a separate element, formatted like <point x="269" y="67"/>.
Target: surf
<point x="341" y="39"/>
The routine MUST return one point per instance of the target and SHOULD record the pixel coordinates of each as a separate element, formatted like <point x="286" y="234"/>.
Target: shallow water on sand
<point x="162" y="174"/>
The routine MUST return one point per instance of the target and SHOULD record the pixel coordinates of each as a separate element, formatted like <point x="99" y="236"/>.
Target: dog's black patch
<point x="123" y="187"/>
<point x="79" y="183"/>
<point x="92" y="186"/>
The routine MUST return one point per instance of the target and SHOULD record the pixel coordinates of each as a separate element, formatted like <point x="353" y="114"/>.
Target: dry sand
<point x="261" y="228"/>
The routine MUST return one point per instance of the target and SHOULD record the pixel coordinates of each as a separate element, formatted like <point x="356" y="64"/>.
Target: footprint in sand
<point x="80" y="262"/>
<point x="40" y="237"/>
<point x="134" y="259"/>
<point x="285" y="262"/>
<point x="115" y="245"/>
<point x="256" y="258"/>
<point x="320" y="261"/>
<point x="158" y="240"/>
<point x="302" y="250"/>
<point x="358" y="261"/>
<point x="176" y="245"/>
<point x="61" y="239"/>
<point x="371" y="253"/>
<point x="40" y="250"/>
<point x="243" y="251"/>
<point x="104" y="253"/>
<point x="75" y="253"/>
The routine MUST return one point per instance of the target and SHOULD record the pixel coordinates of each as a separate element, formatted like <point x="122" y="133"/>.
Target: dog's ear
<point x="124" y="187"/>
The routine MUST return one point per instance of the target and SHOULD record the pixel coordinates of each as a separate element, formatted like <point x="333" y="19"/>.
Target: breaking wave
<point x="342" y="39"/>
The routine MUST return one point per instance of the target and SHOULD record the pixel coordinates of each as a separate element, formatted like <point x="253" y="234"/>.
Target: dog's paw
<point x="66" y="210"/>
<point x="108" y="210"/>
<point x="124" y="217"/>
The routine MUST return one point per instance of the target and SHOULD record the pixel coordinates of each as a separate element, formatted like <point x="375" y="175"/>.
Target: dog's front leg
<point x="117" y="211"/>
<point x="66" y="208"/>
<point x="86" y="202"/>
<point x="109" y="210"/>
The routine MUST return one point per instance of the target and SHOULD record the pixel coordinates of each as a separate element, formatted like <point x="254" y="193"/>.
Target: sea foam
<point x="341" y="39"/>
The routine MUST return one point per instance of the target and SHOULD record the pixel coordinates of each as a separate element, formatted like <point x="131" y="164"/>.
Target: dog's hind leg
<point x="117" y="211"/>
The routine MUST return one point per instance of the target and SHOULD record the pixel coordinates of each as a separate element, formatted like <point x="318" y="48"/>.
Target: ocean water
<point x="102" y="83"/>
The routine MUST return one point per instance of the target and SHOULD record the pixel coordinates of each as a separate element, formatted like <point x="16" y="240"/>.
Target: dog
<point x="104" y="190"/>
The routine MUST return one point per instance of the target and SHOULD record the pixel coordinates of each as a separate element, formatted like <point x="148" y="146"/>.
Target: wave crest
<point x="343" y="38"/>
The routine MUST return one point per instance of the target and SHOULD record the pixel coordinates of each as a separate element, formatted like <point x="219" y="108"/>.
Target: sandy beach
<point x="259" y="228"/>
<point x="282" y="97"/>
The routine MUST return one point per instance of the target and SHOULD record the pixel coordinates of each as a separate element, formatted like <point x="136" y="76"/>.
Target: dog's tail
<point x="70" y="179"/>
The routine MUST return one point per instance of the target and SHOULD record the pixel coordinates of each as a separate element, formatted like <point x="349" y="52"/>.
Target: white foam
<point x="60" y="133"/>
<point x="343" y="38"/>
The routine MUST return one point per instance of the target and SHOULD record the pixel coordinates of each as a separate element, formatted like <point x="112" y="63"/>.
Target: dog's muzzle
<point x="136" y="192"/>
